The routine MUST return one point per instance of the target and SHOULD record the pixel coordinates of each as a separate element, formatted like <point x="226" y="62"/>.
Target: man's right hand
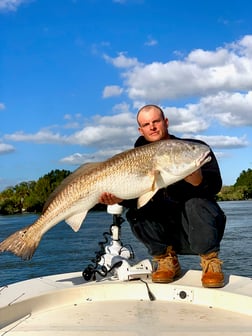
<point x="109" y="199"/>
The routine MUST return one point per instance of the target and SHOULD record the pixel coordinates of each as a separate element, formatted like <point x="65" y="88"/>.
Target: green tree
<point x="30" y="196"/>
<point x="8" y="206"/>
<point x="44" y="187"/>
<point x="21" y="191"/>
<point x="245" y="181"/>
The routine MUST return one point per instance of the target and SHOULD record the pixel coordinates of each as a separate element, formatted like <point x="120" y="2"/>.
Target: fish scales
<point x="136" y="173"/>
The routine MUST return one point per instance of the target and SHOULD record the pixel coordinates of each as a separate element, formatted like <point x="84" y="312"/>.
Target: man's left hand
<point x="195" y="178"/>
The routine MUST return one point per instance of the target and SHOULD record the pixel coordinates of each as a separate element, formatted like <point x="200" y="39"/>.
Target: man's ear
<point x="140" y="130"/>
<point x="167" y="122"/>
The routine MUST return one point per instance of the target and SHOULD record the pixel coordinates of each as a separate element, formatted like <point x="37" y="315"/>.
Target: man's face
<point x="152" y="125"/>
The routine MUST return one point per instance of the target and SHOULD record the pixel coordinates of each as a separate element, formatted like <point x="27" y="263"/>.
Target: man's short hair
<point x="148" y="107"/>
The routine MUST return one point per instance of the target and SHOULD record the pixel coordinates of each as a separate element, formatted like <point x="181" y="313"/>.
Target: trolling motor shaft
<point x="115" y="251"/>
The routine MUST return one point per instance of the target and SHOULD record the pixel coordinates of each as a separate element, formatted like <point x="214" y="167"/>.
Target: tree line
<point x="241" y="190"/>
<point x="31" y="196"/>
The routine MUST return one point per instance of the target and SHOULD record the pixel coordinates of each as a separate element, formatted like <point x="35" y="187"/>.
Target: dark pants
<point x="194" y="227"/>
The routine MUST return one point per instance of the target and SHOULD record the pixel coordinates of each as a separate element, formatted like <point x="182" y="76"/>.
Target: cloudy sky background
<point x="74" y="72"/>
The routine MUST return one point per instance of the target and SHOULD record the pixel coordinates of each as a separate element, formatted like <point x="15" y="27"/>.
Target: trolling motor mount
<point x="114" y="257"/>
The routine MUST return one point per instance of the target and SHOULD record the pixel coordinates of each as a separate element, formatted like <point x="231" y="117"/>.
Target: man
<point x="183" y="218"/>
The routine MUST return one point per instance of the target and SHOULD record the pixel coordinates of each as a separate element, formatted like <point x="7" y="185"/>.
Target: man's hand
<point x="195" y="178"/>
<point x="109" y="199"/>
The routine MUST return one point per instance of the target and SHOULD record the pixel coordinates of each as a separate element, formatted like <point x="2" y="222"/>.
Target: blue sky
<point x="74" y="72"/>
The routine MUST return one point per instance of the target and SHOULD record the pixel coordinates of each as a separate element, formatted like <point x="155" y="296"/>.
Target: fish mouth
<point x="204" y="158"/>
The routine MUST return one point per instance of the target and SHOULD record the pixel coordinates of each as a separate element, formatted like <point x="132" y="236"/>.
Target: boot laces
<point x="211" y="265"/>
<point x="168" y="261"/>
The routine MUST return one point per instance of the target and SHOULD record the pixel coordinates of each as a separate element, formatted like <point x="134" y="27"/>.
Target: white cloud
<point x="121" y="108"/>
<point x="73" y="121"/>
<point x="112" y="90"/>
<point x="117" y="120"/>
<point x="201" y="73"/>
<point x="2" y="106"/>
<point x="41" y="137"/>
<point x="218" y="84"/>
<point x="115" y="130"/>
<point x="230" y="109"/>
<point x="223" y="141"/>
<point x="11" y="5"/>
<point x="151" y="42"/>
<point x="104" y="135"/>
<point x="6" y="148"/>
<point x="121" y="61"/>
<point x="99" y="156"/>
<point x="186" y="119"/>
<point x="208" y="58"/>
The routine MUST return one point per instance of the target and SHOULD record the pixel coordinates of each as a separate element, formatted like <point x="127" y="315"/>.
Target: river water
<point x="62" y="250"/>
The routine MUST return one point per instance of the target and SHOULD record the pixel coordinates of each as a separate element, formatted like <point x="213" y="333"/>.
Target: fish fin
<point x="157" y="183"/>
<point x="86" y="168"/>
<point x="144" y="199"/>
<point x="76" y="220"/>
<point x="22" y="243"/>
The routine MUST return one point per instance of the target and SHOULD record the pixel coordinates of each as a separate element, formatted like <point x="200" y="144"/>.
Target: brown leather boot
<point x="168" y="267"/>
<point x="212" y="275"/>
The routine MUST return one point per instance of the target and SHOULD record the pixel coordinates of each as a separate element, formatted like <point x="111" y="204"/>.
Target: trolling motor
<point x="113" y="258"/>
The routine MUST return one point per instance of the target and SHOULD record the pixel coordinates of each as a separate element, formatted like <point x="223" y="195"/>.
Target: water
<point x="62" y="250"/>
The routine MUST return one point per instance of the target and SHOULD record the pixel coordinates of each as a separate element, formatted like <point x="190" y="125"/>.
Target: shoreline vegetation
<point x="30" y="197"/>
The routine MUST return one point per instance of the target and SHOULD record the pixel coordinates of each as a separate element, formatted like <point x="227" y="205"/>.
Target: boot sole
<point x="168" y="280"/>
<point x="163" y="281"/>
<point x="214" y="285"/>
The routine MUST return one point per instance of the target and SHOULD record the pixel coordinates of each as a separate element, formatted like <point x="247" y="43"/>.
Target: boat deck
<point x="65" y="304"/>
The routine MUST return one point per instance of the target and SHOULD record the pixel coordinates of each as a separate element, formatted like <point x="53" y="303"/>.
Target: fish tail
<point x="21" y="243"/>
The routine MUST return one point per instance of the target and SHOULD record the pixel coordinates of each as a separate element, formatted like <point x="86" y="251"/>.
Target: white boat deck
<point x="65" y="304"/>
